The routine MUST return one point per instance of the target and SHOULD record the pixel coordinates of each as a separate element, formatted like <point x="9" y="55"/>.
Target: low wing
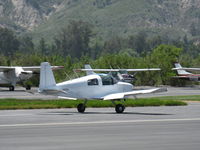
<point x="135" y="92"/>
<point x="118" y="70"/>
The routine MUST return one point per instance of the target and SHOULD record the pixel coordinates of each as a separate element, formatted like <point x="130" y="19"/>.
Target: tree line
<point x="77" y="44"/>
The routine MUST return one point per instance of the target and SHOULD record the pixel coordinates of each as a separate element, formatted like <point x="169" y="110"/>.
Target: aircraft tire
<point x="81" y="108"/>
<point x="11" y="88"/>
<point x="119" y="108"/>
<point x="28" y="87"/>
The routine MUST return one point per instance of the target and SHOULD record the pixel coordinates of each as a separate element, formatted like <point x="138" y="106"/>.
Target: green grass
<point x="182" y="98"/>
<point x="39" y="104"/>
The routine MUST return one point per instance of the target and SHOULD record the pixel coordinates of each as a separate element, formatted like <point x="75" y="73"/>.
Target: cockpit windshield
<point x="107" y="79"/>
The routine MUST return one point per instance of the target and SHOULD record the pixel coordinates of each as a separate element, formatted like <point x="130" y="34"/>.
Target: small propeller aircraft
<point x="183" y="74"/>
<point x="118" y="74"/>
<point x="11" y="75"/>
<point x="93" y="86"/>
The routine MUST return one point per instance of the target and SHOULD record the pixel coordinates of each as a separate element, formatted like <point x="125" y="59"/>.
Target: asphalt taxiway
<point x="140" y="128"/>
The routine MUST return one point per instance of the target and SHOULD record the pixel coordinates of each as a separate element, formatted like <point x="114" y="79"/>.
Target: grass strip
<point x="182" y="98"/>
<point x="45" y="104"/>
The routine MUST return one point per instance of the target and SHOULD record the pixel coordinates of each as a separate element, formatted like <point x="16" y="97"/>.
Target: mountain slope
<point x="109" y="17"/>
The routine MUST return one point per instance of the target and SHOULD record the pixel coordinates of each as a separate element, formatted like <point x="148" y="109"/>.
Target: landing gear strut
<point x="81" y="107"/>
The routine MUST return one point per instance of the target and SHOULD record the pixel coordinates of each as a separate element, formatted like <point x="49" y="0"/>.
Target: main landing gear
<point x="11" y="88"/>
<point x="28" y="87"/>
<point x="119" y="108"/>
<point x="81" y="107"/>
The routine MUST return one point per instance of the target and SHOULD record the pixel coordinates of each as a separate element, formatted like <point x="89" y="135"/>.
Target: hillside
<point x="109" y="17"/>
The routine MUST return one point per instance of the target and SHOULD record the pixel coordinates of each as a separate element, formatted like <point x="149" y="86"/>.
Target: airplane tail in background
<point x="47" y="79"/>
<point x="87" y="66"/>
<point x="182" y="71"/>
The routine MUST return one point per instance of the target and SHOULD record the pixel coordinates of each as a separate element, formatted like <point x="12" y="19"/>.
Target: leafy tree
<point x="113" y="46"/>
<point x="43" y="48"/>
<point x="164" y="56"/>
<point x="26" y="45"/>
<point x="9" y="43"/>
<point x="74" y="39"/>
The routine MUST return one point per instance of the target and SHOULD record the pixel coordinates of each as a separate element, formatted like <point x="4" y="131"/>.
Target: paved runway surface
<point x="33" y="94"/>
<point x="141" y="128"/>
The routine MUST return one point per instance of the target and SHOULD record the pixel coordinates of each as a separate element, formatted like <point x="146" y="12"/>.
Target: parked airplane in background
<point x="118" y="74"/>
<point x="11" y="75"/>
<point x="92" y="86"/>
<point x="183" y="74"/>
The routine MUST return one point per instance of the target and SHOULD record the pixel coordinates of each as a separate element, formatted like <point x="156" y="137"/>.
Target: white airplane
<point x="11" y="75"/>
<point x="93" y="86"/>
<point x="118" y="74"/>
<point x="183" y="74"/>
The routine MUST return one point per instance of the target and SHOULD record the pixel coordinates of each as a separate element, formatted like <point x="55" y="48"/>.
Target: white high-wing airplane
<point x="119" y="74"/>
<point x="94" y="86"/>
<point x="11" y="75"/>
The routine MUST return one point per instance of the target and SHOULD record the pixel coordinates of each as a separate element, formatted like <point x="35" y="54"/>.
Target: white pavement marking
<point x="17" y="115"/>
<point x="98" y="122"/>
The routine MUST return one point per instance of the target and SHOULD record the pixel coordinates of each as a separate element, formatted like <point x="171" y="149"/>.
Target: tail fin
<point x="47" y="79"/>
<point x="87" y="66"/>
<point x="181" y="72"/>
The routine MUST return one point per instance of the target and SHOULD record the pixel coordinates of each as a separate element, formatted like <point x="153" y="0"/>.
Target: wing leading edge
<point x="135" y="92"/>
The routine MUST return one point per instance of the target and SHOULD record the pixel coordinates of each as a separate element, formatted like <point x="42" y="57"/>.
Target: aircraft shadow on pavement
<point x="16" y="91"/>
<point x="111" y="113"/>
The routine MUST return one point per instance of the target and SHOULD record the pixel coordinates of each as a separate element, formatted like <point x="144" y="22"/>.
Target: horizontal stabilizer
<point x="52" y="91"/>
<point x="68" y="98"/>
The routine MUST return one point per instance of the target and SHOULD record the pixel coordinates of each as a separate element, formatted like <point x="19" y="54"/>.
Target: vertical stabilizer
<point x="181" y="72"/>
<point x="87" y="66"/>
<point x="47" y="79"/>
